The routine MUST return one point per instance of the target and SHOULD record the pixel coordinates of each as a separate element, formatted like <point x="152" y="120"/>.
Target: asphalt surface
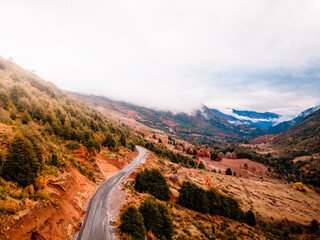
<point x="96" y="222"/>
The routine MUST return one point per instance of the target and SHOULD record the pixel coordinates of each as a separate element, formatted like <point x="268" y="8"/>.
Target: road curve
<point x="96" y="222"/>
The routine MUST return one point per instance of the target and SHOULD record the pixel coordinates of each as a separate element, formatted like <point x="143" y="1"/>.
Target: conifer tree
<point x="157" y="218"/>
<point x="132" y="223"/>
<point x="249" y="218"/>
<point x="109" y="141"/>
<point x="21" y="163"/>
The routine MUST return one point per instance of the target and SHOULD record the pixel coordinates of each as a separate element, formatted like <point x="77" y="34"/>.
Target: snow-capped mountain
<point x="252" y="118"/>
<point x="287" y="124"/>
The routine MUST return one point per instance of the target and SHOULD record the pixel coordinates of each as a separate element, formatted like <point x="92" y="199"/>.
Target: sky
<point x="174" y="55"/>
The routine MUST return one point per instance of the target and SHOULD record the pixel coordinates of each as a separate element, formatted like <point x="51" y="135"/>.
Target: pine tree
<point x="229" y="172"/>
<point x="157" y="218"/>
<point x="109" y="141"/>
<point x="153" y="182"/>
<point x="132" y="223"/>
<point x="21" y="163"/>
<point x="123" y="140"/>
<point x="249" y="218"/>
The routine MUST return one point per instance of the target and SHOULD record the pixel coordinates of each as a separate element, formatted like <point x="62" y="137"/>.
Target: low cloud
<point x="172" y="55"/>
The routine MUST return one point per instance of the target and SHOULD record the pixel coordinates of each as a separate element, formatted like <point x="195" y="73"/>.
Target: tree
<point x="123" y="140"/>
<point x="55" y="160"/>
<point x="157" y="218"/>
<point x="132" y="223"/>
<point x="153" y="182"/>
<point x="229" y="172"/>
<point x="201" y="166"/>
<point x="21" y="163"/>
<point x="26" y="118"/>
<point x="314" y="226"/>
<point x="249" y="218"/>
<point x="109" y="141"/>
<point x="1" y="159"/>
<point x="193" y="197"/>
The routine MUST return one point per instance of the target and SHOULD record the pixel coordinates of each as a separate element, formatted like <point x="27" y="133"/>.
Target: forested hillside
<point x="202" y="126"/>
<point x="43" y="133"/>
<point x="302" y="137"/>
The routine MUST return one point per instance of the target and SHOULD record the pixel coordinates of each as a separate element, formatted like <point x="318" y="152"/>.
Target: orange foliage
<point x="180" y="148"/>
<point x="173" y="199"/>
<point x="200" y="153"/>
<point x="30" y="190"/>
<point x="82" y="153"/>
<point x="207" y="179"/>
<point x="41" y="182"/>
<point x="151" y="236"/>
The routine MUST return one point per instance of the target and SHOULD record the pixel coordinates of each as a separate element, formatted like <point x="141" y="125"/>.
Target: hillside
<point x="281" y="211"/>
<point x="287" y="124"/>
<point x="54" y="150"/>
<point x="302" y="137"/>
<point x="202" y="126"/>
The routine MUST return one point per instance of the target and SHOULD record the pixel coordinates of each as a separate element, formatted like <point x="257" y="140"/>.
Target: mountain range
<point x="252" y="118"/>
<point x="267" y="121"/>
<point x="203" y="125"/>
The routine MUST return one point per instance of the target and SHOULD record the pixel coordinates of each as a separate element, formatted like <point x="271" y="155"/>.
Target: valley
<point x="76" y="145"/>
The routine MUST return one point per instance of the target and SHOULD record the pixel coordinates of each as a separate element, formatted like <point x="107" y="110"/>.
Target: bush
<point x="201" y="166"/>
<point x="249" y="218"/>
<point x="55" y="160"/>
<point x="132" y="223"/>
<point x="152" y="182"/>
<point x="314" y="226"/>
<point x="229" y="172"/>
<point x="157" y="218"/>
<point x="42" y="195"/>
<point x="73" y="145"/>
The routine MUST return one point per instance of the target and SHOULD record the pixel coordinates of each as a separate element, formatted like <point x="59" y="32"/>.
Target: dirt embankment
<point x="71" y="192"/>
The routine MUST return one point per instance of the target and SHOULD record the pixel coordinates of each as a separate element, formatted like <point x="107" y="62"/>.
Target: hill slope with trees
<point x="203" y="125"/>
<point x="302" y="137"/>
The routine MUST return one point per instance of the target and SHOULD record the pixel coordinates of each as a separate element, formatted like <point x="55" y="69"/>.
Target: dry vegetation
<point x="271" y="200"/>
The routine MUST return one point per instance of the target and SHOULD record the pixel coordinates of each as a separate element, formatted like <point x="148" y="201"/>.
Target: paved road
<point x="96" y="223"/>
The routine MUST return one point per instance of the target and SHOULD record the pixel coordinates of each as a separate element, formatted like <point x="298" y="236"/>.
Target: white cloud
<point x="164" y="53"/>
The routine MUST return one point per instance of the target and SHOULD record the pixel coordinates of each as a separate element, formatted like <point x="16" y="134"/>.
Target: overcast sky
<point x="255" y="55"/>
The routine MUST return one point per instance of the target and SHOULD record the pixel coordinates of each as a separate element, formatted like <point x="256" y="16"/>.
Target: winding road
<point x="96" y="222"/>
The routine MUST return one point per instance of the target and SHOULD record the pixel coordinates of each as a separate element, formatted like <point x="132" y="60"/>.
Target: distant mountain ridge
<point x="303" y="136"/>
<point x="256" y="115"/>
<point x="287" y="124"/>
<point x="251" y="118"/>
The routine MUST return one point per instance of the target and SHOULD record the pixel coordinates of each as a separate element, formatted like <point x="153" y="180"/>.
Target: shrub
<point x="201" y="166"/>
<point x="42" y="195"/>
<point x="229" y="172"/>
<point x="132" y="223"/>
<point x="249" y="218"/>
<point x="152" y="182"/>
<point x="55" y="160"/>
<point x="73" y="145"/>
<point x="314" y="226"/>
<point x="157" y="218"/>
